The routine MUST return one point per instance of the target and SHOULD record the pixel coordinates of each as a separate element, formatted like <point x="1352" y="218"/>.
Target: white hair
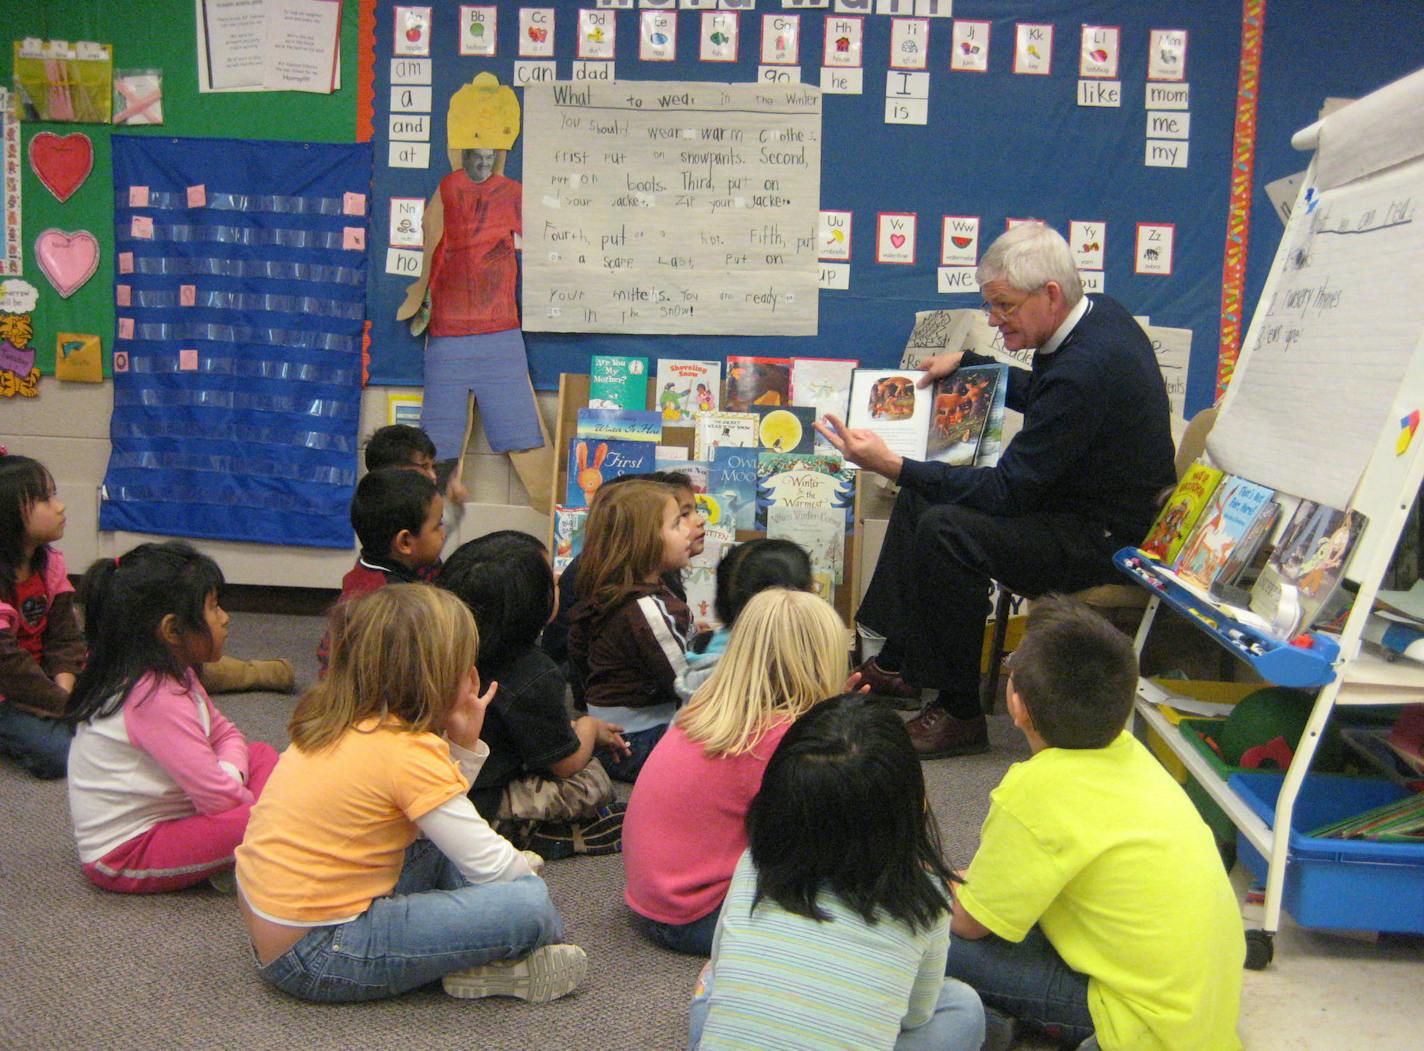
<point x="1027" y="257"/>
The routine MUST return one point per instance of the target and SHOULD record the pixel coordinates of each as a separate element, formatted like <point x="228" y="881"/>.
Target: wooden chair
<point x="1105" y="598"/>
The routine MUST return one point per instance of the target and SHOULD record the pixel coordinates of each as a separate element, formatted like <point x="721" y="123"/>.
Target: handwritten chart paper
<point x="671" y="208"/>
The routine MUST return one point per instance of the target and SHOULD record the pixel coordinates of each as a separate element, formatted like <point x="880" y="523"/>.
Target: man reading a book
<point x="1078" y="482"/>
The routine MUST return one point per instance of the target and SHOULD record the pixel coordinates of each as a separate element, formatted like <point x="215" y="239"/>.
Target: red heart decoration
<point x="62" y="163"/>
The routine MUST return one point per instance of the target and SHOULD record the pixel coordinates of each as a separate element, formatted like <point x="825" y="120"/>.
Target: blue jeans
<point x="1027" y="980"/>
<point x="694" y="939"/>
<point x="433" y="922"/>
<point x="956" y="1025"/>
<point x="625" y="768"/>
<point x="40" y="745"/>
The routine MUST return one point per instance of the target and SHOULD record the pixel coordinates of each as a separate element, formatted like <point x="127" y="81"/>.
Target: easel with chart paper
<point x="1325" y="404"/>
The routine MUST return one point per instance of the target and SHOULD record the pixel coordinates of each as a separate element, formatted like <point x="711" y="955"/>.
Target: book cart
<point x="573" y="395"/>
<point x="1371" y="188"/>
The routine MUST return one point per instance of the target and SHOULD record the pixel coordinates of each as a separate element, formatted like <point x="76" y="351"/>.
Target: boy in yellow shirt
<point x="1097" y="903"/>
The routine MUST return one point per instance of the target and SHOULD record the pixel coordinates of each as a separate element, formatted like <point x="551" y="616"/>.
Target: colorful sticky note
<point x="138" y="196"/>
<point x="142" y="228"/>
<point x="198" y="196"/>
<point x="353" y="239"/>
<point x="354" y="204"/>
<point x="187" y="295"/>
<point x="123" y="295"/>
<point x="126" y="328"/>
<point x="187" y="361"/>
<point x="126" y="262"/>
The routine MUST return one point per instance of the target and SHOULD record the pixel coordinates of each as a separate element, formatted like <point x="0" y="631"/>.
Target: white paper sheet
<point x="300" y="45"/>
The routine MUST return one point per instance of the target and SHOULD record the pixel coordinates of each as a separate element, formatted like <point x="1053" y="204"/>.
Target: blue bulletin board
<point x="996" y="145"/>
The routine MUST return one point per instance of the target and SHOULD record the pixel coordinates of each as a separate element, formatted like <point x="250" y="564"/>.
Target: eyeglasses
<point x="997" y="313"/>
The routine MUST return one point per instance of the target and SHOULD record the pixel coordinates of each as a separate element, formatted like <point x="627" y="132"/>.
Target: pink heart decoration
<point x="67" y="260"/>
<point x="897" y="240"/>
<point x="62" y="163"/>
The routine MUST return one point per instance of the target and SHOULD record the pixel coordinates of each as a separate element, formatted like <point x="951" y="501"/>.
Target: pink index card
<point x="198" y="196"/>
<point x="142" y="228"/>
<point x="354" y="204"/>
<point x="187" y="295"/>
<point x="126" y="262"/>
<point x="187" y="361"/>
<point x="353" y="239"/>
<point x="123" y="295"/>
<point x="126" y="328"/>
<point x="121" y="361"/>
<point x="138" y="196"/>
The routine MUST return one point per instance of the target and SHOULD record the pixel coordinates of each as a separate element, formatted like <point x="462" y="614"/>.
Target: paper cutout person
<point x="464" y="299"/>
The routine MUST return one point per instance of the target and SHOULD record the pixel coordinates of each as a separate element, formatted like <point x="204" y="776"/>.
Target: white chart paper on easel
<point x="1343" y="317"/>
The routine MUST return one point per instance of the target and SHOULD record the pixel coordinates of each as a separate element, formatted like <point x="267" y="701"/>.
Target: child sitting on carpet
<point x="160" y="784"/>
<point x="541" y="785"/>
<point x="366" y="870"/>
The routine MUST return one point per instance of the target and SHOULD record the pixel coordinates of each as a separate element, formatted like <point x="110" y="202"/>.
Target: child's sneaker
<point x="547" y="973"/>
<point x="602" y="835"/>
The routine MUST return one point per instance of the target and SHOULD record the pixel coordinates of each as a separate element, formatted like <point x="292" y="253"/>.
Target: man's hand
<point x="860" y="446"/>
<point x="939" y="366"/>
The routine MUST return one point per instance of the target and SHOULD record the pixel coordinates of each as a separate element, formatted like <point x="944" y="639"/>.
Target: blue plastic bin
<point x="1338" y="883"/>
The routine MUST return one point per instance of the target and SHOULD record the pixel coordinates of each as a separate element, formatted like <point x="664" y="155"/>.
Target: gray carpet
<point x="81" y="968"/>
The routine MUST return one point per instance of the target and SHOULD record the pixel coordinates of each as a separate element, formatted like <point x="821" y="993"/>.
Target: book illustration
<point x="786" y="430"/>
<point x="569" y="525"/>
<point x="627" y="425"/>
<point x="822" y="384"/>
<point x="731" y="497"/>
<point x="891" y="398"/>
<point x="617" y="382"/>
<point x="593" y="462"/>
<point x="963" y="402"/>
<point x="991" y="443"/>
<point x="713" y="430"/>
<point x="1229" y="514"/>
<point x="1180" y="513"/>
<point x="1310" y="559"/>
<point x="819" y="531"/>
<point x="755" y="381"/>
<point x="695" y="471"/>
<point x="687" y="387"/>
<point x="804" y="480"/>
<point x="699" y="581"/>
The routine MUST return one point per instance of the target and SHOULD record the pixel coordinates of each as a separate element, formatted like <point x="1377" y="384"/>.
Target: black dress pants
<point x="929" y="594"/>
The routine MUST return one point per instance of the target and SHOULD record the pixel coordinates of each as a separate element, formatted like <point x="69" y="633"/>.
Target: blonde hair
<point x="623" y="541"/>
<point x="398" y="653"/>
<point x="787" y="652"/>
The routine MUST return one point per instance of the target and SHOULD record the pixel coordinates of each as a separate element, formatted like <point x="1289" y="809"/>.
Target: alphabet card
<point x="596" y="33"/>
<point x="719" y="36"/>
<point x="1086" y="240"/>
<point x="895" y="238"/>
<point x="536" y="32"/>
<point x="657" y="36"/>
<point x="780" y="40"/>
<point x="959" y="245"/>
<point x="970" y="52"/>
<point x="909" y="43"/>
<point x="412" y="31"/>
<point x="407" y="215"/>
<point x="477" y="30"/>
<point x="1098" y="54"/>
<point x="1167" y="54"/>
<point x="833" y="236"/>
<point x="1154" y="248"/>
<point x="844" y="38"/>
<point x="1033" y="49"/>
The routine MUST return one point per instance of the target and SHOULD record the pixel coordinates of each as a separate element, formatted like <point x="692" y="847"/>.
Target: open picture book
<point x="947" y="421"/>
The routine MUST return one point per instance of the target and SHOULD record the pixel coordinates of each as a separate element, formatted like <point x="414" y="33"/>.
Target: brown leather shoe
<point x="888" y="684"/>
<point x="937" y="734"/>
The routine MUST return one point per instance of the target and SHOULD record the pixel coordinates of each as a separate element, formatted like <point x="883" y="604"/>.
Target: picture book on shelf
<point x="686" y="387"/>
<point x="819" y="531"/>
<point x="823" y="385"/>
<point x="1229" y="513"/>
<point x="592" y="461"/>
<point x="569" y="523"/>
<point x="617" y="383"/>
<point x="757" y="381"/>
<point x="1232" y="583"/>
<point x="624" y="425"/>
<point x="731" y="492"/>
<point x="1181" y="511"/>
<point x="696" y="471"/>
<point x="712" y="430"/>
<point x="1311" y="558"/>
<point x="943" y="422"/>
<point x="788" y="429"/>
<point x="699" y="581"/>
<point x="804" y="480"/>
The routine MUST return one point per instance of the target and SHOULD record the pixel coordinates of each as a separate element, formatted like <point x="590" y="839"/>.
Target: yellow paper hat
<point x="484" y="115"/>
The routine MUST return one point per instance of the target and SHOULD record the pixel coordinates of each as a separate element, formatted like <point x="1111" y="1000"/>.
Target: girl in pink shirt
<point x="685" y="825"/>
<point x="160" y="784"/>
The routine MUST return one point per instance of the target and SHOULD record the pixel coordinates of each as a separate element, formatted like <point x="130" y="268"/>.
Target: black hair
<point x="842" y="810"/>
<point x="393" y="446"/>
<point x="386" y="502"/>
<point x="23" y="483"/>
<point x="755" y="566"/>
<point x="505" y="579"/>
<point x="125" y="600"/>
<point x="1076" y="673"/>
